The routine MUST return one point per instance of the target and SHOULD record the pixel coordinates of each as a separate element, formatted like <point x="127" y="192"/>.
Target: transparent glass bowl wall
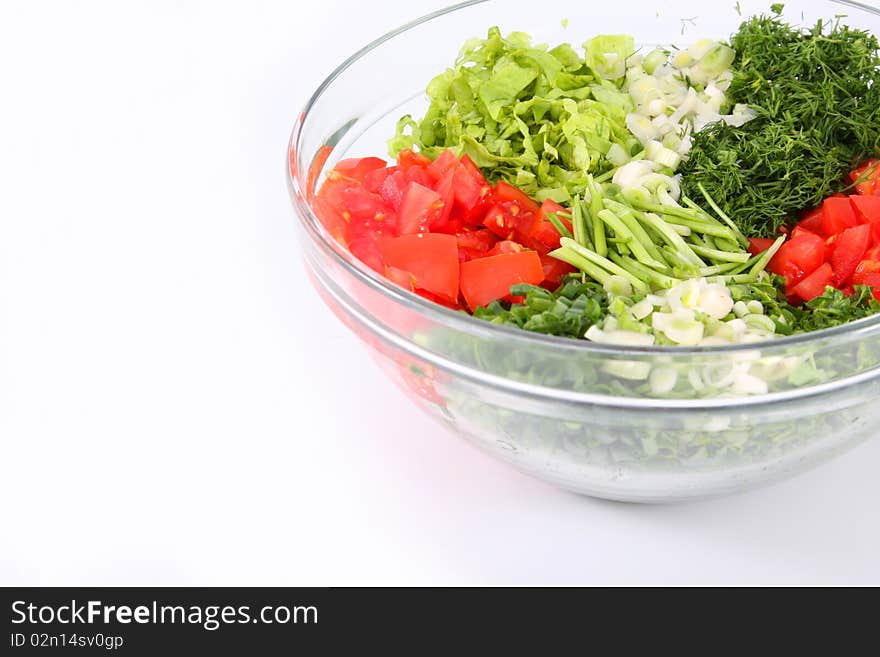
<point x="566" y="411"/>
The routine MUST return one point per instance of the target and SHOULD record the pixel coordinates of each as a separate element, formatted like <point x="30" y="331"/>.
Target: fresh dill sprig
<point x="816" y="95"/>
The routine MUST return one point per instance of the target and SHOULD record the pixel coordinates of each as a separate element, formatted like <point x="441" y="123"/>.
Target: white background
<point x="176" y="405"/>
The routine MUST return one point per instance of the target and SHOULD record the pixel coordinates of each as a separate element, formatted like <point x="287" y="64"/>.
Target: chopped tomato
<point x="475" y="243"/>
<point x="444" y="188"/>
<point x="800" y="230"/>
<point x="373" y="180"/>
<point x="837" y="215"/>
<point x="867" y="207"/>
<point x="867" y="178"/>
<point x="498" y="222"/>
<point x="419" y="208"/>
<point x="814" y="285"/>
<point x="514" y="216"/>
<point x="848" y="250"/>
<point x="365" y="249"/>
<point x="472" y="197"/>
<point x="432" y="259"/>
<point x="864" y="269"/>
<point x="554" y="270"/>
<point x="363" y="206"/>
<point x="873" y="280"/>
<point x="543" y="236"/>
<point x="425" y="225"/>
<point x="505" y="246"/>
<point x="868" y="211"/>
<point x="358" y="168"/>
<point x="549" y="207"/>
<point x="444" y="163"/>
<point x="868" y="266"/>
<point x="873" y="253"/>
<point x="508" y="219"/>
<point x="332" y="219"/>
<point x="333" y="188"/>
<point x="402" y="277"/>
<point x="813" y="221"/>
<point x="430" y="296"/>
<point x="418" y="175"/>
<point x="472" y="168"/>
<point x="465" y="254"/>
<point x="471" y="194"/>
<point x="408" y="158"/>
<point x="393" y="188"/>
<point x="504" y="191"/>
<point x="480" y="240"/>
<point x="798" y="257"/>
<point x="759" y="244"/>
<point x="850" y="226"/>
<point x="487" y="279"/>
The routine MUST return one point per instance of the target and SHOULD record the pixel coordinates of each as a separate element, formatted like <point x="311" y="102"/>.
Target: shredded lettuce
<point x="540" y="118"/>
<point x="607" y="54"/>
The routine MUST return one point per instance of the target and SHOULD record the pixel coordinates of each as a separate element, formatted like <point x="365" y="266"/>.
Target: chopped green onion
<point x="595" y="207"/>
<point x="594" y="258"/>
<point x="712" y="204"/>
<point x="558" y="225"/>
<point x="715" y="254"/>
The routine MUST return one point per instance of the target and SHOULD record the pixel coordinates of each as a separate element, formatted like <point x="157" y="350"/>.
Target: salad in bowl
<point x="642" y="266"/>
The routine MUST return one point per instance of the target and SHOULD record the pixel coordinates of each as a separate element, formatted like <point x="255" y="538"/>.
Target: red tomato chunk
<point x="837" y="215"/>
<point x="487" y="279"/>
<point x="439" y="229"/>
<point x="814" y="285"/>
<point x="759" y="244"/>
<point x="798" y="257"/>
<point x="842" y="237"/>
<point x="867" y="178"/>
<point x="847" y="251"/>
<point x="359" y="168"/>
<point x="431" y="260"/>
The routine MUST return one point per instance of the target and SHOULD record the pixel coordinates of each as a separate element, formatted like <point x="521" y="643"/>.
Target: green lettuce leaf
<point x="540" y="118"/>
<point x="607" y="54"/>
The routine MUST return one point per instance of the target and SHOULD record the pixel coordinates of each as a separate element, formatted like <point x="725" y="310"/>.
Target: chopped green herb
<point x="831" y="309"/>
<point x="569" y="311"/>
<point x="816" y="96"/>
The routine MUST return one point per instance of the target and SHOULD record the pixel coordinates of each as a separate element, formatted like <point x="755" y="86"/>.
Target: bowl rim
<point x="467" y="323"/>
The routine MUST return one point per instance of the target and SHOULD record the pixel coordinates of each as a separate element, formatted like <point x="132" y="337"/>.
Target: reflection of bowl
<point x="574" y="413"/>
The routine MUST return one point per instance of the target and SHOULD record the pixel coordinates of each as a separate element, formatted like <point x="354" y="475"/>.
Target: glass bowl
<point x="579" y="415"/>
